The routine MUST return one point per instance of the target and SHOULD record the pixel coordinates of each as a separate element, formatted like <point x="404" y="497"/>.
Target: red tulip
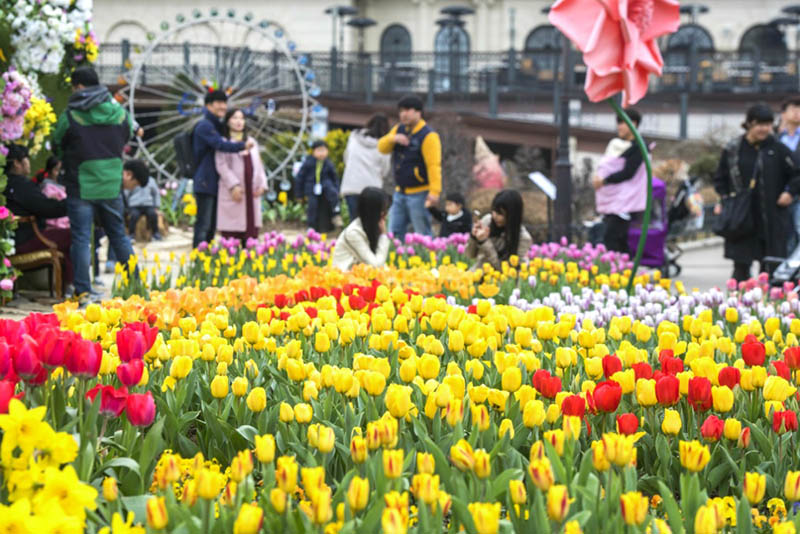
<point x="12" y="330"/>
<point x="712" y="428"/>
<point x="317" y="293"/>
<point x="26" y="358"/>
<point x="337" y="293"/>
<point x="792" y="358"/>
<point x="130" y="373"/>
<point x="281" y="300"/>
<point x="700" y="393"/>
<point x="642" y="370"/>
<point x="84" y="358"/>
<point x="550" y="387"/>
<point x="744" y="438"/>
<point x="356" y="302"/>
<point x="785" y="421"/>
<point x="312" y="312"/>
<point x="130" y="344"/>
<point x="368" y="293"/>
<point x="7" y="393"/>
<point x="606" y="396"/>
<point x="54" y="345"/>
<point x="627" y="423"/>
<point x="149" y="332"/>
<point x="112" y="401"/>
<point x="668" y="390"/>
<point x="729" y="376"/>
<point x="5" y="358"/>
<point x="753" y="352"/>
<point x="573" y="405"/>
<point x="301" y="296"/>
<point x="141" y="409"/>
<point x="611" y="365"/>
<point x="671" y="366"/>
<point x="781" y="369"/>
<point x="37" y="321"/>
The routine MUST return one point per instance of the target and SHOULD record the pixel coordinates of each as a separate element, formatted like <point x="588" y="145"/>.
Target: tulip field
<point x="258" y="390"/>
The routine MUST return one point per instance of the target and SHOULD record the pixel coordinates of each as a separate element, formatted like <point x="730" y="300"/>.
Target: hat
<point x="759" y="113"/>
<point x="482" y="150"/>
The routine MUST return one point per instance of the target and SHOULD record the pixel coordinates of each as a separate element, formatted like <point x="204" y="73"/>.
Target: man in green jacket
<point x="90" y="137"/>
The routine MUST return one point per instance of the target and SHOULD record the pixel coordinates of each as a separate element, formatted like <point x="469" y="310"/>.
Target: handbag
<point x="736" y="220"/>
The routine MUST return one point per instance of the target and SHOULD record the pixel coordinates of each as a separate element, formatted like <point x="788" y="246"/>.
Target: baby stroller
<point x="653" y="253"/>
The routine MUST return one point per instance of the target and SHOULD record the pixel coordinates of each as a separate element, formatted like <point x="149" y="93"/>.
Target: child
<point x="318" y="182"/>
<point x="142" y="196"/>
<point x="455" y="219"/>
<point x="47" y="179"/>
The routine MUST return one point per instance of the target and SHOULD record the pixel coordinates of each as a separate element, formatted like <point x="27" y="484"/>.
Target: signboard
<point x="543" y="183"/>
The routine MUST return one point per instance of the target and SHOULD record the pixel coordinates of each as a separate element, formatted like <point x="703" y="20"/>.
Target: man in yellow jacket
<point x="417" y="165"/>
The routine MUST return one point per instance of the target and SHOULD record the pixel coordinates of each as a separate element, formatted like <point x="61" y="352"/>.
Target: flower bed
<point x="391" y="399"/>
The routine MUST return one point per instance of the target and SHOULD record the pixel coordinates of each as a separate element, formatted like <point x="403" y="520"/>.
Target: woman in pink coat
<point x="242" y="181"/>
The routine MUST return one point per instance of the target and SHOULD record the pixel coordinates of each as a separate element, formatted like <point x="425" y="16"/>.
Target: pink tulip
<point x="618" y="41"/>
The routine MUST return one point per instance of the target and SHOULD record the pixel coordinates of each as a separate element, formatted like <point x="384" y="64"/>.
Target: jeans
<point x="409" y="209"/>
<point x="352" y="206"/>
<point x="794" y="235"/>
<point x="205" y="222"/>
<point x="616" y="233"/>
<point x="147" y="211"/>
<point x="81" y="215"/>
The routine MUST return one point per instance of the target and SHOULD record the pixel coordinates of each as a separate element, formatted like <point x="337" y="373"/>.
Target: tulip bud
<point x="286" y="413"/>
<point x="110" y="490"/>
<point x="557" y="503"/>
<point x="462" y="455"/>
<point x="392" y="463"/>
<point x="219" y="387"/>
<point x="239" y="386"/>
<point x="358" y="449"/>
<point x="286" y="474"/>
<point x="754" y="486"/>
<point x="486" y="516"/>
<point x="277" y="497"/>
<point x="791" y="488"/>
<point x="326" y="439"/>
<point x="732" y="429"/>
<point x="257" y="399"/>
<point x="425" y="487"/>
<point x="483" y="466"/>
<point x="157" y="513"/>
<point x="358" y="494"/>
<point x="541" y="473"/>
<point x="599" y="459"/>
<point x="694" y="455"/>
<point x="425" y="463"/>
<point x="516" y="489"/>
<point x="265" y="448"/>
<point x="303" y="412"/>
<point x="634" y="507"/>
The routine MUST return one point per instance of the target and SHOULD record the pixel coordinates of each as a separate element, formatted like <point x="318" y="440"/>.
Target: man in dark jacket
<point x="455" y="219"/>
<point x="23" y="199"/>
<point x="206" y="140"/>
<point x="90" y="137"/>
<point x="789" y="135"/>
<point x="757" y="160"/>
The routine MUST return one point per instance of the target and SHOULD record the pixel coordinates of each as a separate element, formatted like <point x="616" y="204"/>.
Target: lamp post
<point x="337" y="13"/>
<point x="450" y="24"/>
<point x="364" y="78"/>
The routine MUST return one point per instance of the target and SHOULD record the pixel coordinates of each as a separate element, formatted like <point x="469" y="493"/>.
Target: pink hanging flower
<point x="5" y="213"/>
<point x="618" y="41"/>
<point x="6" y="284"/>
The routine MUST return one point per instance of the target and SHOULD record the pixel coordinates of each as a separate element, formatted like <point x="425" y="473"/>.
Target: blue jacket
<point x="307" y="177"/>
<point x="206" y="140"/>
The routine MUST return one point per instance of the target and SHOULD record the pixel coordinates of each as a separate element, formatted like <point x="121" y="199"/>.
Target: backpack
<point x="184" y="154"/>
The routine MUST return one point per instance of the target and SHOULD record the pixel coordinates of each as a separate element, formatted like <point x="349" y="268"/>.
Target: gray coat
<point x="144" y="197"/>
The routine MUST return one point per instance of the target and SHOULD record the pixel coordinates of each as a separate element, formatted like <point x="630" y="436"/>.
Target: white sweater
<point x="364" y="166"/>
<point x="352" y="247"/>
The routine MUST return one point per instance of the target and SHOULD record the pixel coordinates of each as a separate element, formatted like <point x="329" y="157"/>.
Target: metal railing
<point x="457" y="73"/>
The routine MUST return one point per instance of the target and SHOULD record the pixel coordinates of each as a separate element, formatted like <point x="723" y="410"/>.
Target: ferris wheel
<point x="254" y="62"/>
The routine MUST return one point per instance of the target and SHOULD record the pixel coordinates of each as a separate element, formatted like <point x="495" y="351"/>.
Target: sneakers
<point x="157" y="237"/>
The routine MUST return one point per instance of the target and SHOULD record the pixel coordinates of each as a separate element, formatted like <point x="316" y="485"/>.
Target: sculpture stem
<point x="649" y="206"/>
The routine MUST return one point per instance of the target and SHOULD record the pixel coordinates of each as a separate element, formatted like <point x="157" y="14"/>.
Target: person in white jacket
<point x="365" y="240"/>
<point x="364" y="166"/>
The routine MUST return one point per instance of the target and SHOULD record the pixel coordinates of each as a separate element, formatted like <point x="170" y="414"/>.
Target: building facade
<point x="406" y="26"/>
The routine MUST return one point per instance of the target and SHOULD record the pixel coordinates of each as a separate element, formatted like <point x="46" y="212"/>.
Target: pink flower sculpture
<point x="617" y="38"/>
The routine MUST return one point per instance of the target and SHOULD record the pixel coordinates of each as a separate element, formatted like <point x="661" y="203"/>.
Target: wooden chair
<point x="49" y="257"/>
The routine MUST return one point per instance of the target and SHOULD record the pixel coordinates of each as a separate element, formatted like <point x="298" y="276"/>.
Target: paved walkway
<point x="704" y="266"/>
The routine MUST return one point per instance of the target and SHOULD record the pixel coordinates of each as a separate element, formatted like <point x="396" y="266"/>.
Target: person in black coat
<point x="318" y="183"/>
<point x="455" y="219"/>
<point x="23" y="199"/>
<point x="757" y="158"/>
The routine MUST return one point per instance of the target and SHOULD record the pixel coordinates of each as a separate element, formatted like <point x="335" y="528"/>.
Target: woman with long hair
<point x="364" y="166"/>
<point x="242" y="181"/>
<point x="365" y="240"/>
<point x="498" y="236"/>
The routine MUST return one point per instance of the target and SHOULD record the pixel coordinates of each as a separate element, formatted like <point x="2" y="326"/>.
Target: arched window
<point x="395" y="44"/>
<point x="765" y="42"/>
<point x="691" y="43"/>
<point x="451" y="62"/>
<point x="543" y="48"/>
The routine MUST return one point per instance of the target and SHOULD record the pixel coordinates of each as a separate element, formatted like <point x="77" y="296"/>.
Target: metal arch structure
<point x="176" y="101"/>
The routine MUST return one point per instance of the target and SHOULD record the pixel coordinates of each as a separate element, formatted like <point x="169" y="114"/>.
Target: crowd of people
<point x="88" y="189"/>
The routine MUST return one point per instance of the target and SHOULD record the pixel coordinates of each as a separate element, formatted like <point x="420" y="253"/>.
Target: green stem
<point x="649" y="206"/>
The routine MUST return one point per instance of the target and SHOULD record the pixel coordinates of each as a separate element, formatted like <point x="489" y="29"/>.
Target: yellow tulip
<point x="694" y="455"/>
<point x="358" y="494"/>
<point x="511" y="379"/>
<point x="265" y="448"/>
<point x="425" y="487"/>
<point x="462" y="455"/>
<point x="303" y="413"/>
<point x="157" y="518"/>
<point x="358" y="449"/>
<point x="257" y="399"/>
<point x="286" y="474"/>
<point x="672" y="422"/>
<point x="707" y="519"/>
<point x="634" y="507"/>
<point x="541" y="472"/>
<point x="732" y="429"/>
<point x="239" y="386"/>
<point x="791" y="488"/>
<point x="754" y="486"/>
<point x="482" y="466"/>
<point x="219" y="387"/>
<point x="557" y="503"/>
<point x="646" y="392"/>
<point x="393" y="463"/>
<point x="722" y="397"/>
<point x="249" y="520"/>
